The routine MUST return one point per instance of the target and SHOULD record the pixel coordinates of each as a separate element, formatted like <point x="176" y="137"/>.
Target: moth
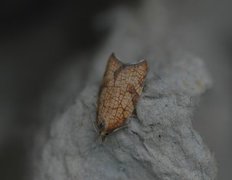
<point x="120" y="90"/>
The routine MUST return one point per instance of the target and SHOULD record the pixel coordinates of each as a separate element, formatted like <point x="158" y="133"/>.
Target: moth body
<point x="121" y="87"/>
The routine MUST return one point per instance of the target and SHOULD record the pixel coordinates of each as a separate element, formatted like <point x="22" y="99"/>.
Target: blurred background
<point x="41" y="39"/>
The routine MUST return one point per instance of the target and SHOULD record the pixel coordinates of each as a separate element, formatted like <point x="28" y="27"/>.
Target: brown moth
<point x="121" y="87"/>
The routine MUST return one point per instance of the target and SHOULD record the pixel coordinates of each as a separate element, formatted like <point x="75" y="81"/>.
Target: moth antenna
<point x="99" y="138"/>
<point x="122" y="127"/>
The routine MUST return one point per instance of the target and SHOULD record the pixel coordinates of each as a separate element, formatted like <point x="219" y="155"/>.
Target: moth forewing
<point x="121" y="87"/>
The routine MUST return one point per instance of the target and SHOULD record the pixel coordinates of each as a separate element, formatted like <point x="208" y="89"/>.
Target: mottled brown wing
<point x="112" y="66"/>
<point x="121" y="87"/>
<point x="105" y="92"/>
<point x="128" y="84"/>
<point x="133" y="76"/>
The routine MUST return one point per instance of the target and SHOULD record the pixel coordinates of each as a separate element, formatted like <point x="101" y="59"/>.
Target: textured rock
<point x="160" y="143"/>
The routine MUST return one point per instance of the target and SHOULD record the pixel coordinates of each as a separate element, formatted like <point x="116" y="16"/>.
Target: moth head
<point x="102" y="130"/>
<point x="103" y="134"/>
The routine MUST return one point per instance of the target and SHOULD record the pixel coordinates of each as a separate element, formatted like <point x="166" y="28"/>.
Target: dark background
<point x="39" y="37"/>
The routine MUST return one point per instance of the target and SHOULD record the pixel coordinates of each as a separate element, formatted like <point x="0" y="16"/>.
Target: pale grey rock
<point x="160" y="143"/>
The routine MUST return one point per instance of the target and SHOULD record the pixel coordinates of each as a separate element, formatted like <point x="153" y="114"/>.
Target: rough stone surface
<point x="160" y="143"/>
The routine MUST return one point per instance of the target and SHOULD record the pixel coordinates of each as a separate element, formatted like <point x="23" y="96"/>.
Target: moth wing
<point x="135" y="74"/>
<point x="113" y="65"/>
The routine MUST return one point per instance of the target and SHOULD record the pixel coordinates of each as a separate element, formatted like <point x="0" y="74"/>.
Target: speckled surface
<point x="160" y="143"/>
